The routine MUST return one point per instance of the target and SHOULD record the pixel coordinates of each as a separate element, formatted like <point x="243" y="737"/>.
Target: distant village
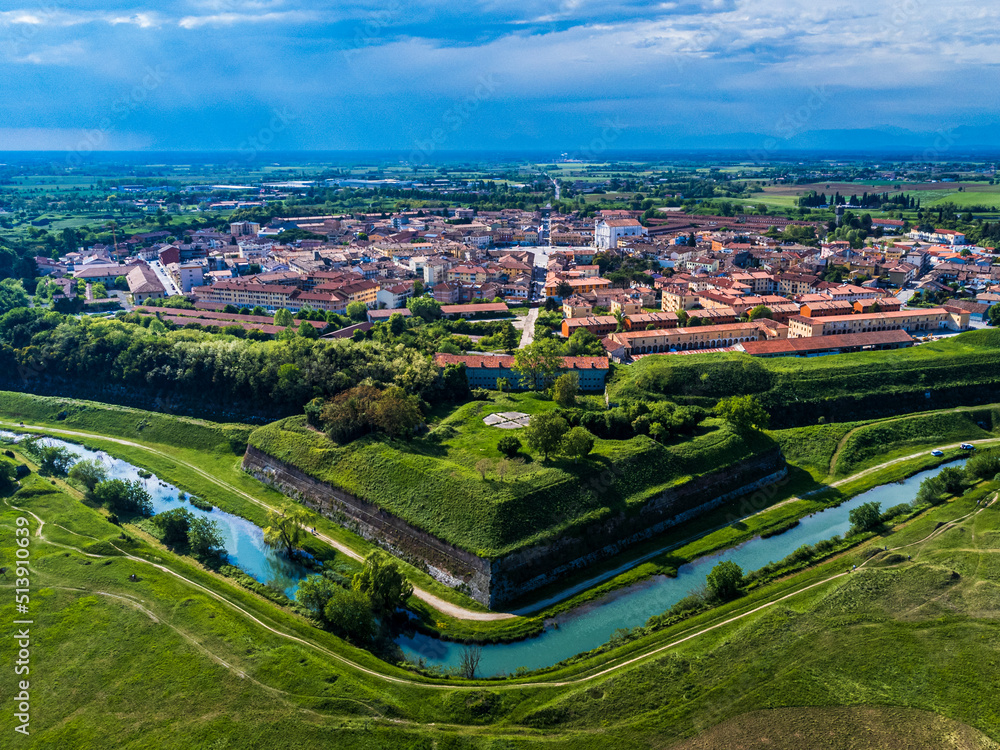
<point x="712" y="283"/>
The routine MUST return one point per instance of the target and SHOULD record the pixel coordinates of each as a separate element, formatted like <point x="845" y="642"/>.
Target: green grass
<point x="969" y="198"/>
<point x="847" y="387"/>
<point x="915" y="635"/>
<point x="432" y="484"/>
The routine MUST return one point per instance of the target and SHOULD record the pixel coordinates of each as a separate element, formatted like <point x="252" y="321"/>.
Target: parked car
<point x="967" y="447"/>
<point x="937" y="453"/>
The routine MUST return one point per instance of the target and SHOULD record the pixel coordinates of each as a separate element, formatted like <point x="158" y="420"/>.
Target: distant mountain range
<point x="945" y="145"/>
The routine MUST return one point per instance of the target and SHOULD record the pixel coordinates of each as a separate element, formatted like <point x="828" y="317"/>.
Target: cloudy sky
<point x="429" y="76"/>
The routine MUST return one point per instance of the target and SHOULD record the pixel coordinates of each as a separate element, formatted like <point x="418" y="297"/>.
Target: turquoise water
<point x="592" y="624"/>
<point x="584" y="628"/>
<point x="243" y="540"/>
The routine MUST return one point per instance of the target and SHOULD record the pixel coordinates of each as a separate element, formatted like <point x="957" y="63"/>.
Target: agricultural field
<point x="432" y="482"/>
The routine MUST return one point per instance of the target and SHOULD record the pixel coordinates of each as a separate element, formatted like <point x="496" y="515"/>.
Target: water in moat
<point x="243" y="540"/>
<point x="581" y="629"/>
<point x="592" y="624"/>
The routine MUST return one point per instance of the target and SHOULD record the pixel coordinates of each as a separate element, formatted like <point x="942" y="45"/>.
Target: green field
<point x="431" y="482"/>
<point x="969" y="198"/>
<point x="177" y="660"/>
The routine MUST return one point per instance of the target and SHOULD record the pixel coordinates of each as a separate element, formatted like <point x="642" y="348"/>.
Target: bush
<point x="866" y="517"/>
<point x="123" y="498"/>
<point x="725" y="582"/>
<point x="509" y="445"/>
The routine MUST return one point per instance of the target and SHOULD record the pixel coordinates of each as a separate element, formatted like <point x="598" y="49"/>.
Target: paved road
<point x="528" y="330"/>
<point x="165" y="279"/>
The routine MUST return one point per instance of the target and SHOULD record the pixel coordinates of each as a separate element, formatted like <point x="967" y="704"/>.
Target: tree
<point x="565" y="388"/>
<point x="123" y="497"/>
<point x="509" y="338"/>
<point x="173" y="525"/>
<point x="578" y="443"/>
<point x="425" y="307"/>
<point x="930" y="493"/>
<point x="89" y="473"/>
<point x="538" y="363"/>
<point x="205" y="537"/>
<point x="397" y="324"/>
<point x="283" y="318"/>
<point x="482" y="466"/>
<point x="285" y="531"/>
<point x="743" y="413"/>
<point x="952" y="480"/>
<point x="307" y="330"/>
<point x="121" y="282"/>
<point x="8" y="474"/>
<point x="468" y="661"/>
<point x="396" y="413"/>
<point x="383" y="583"/>
<point x="346" y="611"/>
<point x="583" y="343"/>
<point x="725" y="580"/>
<point x="349" y="612"/>
<point x="12" y="295"/>
<point x="503" y="385"/>
<point x="545" y="432"/>
<point x="357" y="311"/>
<point x="761" y="311"/>
<point x="52" y="459"/>
<point x="994" y="315"/>
<point x="509" y="445"/>
<point x="866" y="517"/>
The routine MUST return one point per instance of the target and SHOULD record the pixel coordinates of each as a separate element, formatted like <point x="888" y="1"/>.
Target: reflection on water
<point x="591" y="625"/>
<point x="580" y="629"/>
<point x="243" y="540"/>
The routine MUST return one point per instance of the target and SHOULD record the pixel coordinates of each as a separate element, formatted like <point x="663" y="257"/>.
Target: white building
<point x="187" y="274"/>
<point x="607" y="232"/>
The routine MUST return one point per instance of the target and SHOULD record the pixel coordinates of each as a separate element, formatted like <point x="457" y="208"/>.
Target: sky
<point x="577" y="76"/>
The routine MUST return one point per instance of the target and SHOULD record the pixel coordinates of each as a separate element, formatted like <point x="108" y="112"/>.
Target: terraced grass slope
<point x="797" y="391"/>
<point x="840" y="449"/>
<point x="432" y="483"/>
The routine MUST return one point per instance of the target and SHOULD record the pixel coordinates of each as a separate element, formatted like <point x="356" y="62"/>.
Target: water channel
<point x="580" y="629"/>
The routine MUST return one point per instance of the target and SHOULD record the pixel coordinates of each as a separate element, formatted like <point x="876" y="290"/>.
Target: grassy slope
<point x="193" y="441"/>
<point x="834" y="451"/>
<point x="795" y="386"/>
<point x="912" y="635"/>
<point x="436" y="487"/>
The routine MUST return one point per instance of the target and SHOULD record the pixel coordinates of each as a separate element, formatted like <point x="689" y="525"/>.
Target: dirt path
<point x="843" y="441"/>
<point x="614" y="667"/>
<point x="453" y="610"/>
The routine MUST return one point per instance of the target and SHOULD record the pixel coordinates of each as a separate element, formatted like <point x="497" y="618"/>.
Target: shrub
<point x="866" y="517"/>
<point x="725" y="581"/>
<point x="509" y="445"/>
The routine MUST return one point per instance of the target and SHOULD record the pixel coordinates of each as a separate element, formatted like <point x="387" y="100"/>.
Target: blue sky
<point x="582" y="76"/>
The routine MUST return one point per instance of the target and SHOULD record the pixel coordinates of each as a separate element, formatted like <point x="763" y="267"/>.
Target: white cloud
<point x="230" y="19"/>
